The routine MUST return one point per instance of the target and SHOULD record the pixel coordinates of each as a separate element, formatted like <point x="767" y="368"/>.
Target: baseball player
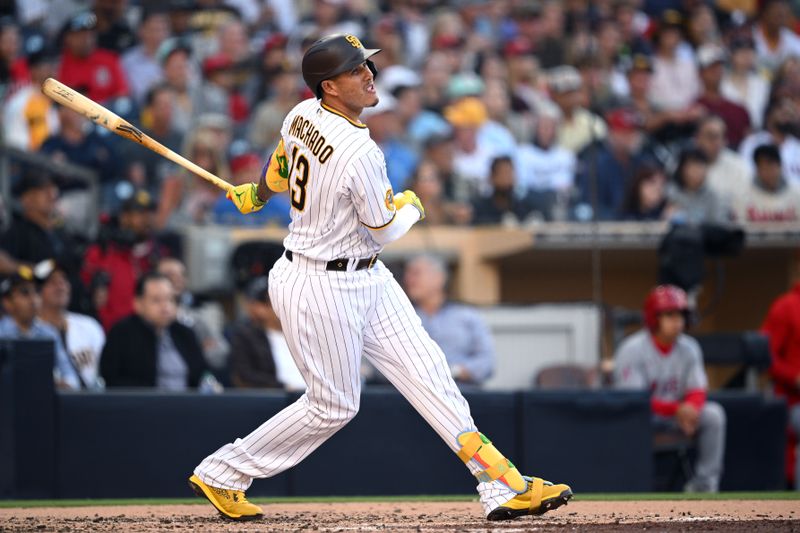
<point x="669" y="363"/>
<point x="337" y="302"/>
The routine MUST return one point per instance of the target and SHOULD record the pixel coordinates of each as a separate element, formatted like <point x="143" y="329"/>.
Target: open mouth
<point x="371" y="88"/>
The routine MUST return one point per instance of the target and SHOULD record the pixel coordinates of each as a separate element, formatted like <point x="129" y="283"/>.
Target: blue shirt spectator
<point x="458" y="329"/>
<point x="21" y="303"/>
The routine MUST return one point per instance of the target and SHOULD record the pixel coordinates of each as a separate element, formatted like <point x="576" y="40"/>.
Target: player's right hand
<point x="276" y="171"/>
<point x="245" y="198"/>
<point x="409" y="197"/>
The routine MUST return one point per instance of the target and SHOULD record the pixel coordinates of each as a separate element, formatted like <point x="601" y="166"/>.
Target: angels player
<point x="337" y="302"/>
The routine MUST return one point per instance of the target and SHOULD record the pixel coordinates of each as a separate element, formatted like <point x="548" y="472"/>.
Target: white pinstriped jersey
<point x="338" y="184"/>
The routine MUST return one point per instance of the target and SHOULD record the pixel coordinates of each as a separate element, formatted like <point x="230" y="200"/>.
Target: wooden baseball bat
<point x="98" y="114"/>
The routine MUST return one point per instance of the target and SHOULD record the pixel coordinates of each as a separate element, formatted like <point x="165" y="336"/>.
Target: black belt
<point x="340" y="265"/>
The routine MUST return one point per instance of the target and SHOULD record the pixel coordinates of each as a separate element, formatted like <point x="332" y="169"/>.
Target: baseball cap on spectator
<point x="216" y="63"/>
<point x="81" y="21"/>
<point x="670" y="18"/>
<point x="214" y="121"/>
<point x="710" y="54"/>
<point x="44" y="269"/>
<point x="564" y="79"/>
<point x="30" y="181"/>
<point x="742" y="41"/>
<point x="467" y="112"/>
<point x="446" y="42"/>
<point x="464" y="84"/>
<point x="398" y="77"/>
<point x="170" y="46"/>
<point x="37" y="50"/>
<point x="518" y="46"/>
<point x="140" y="200"/>
<point x="623" y="119"/>
<point x="22" y="277"/>
<point x="276" y="40"/>
<point x="640" y="62"/>
<point x="257" y="289"/>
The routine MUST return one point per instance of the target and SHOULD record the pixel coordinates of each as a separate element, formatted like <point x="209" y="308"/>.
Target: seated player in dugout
<point x="337" y="302"/>
<point x="661" y="358"/>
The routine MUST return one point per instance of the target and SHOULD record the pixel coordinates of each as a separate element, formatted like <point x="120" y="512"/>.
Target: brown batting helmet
<point x="333" y="55"/>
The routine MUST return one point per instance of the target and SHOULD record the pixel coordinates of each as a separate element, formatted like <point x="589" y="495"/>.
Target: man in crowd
<point x="661" y="358"/>
<point x="81" y="335"/>
<point x="769" y="197"/>
<point x="151" y="348"/>
<point x="21" y="303"/>
<point x="458" y="329"/>
<point x="728" y="174"/>
<point x="506" y="204"/>
<point x="260" y="357"/>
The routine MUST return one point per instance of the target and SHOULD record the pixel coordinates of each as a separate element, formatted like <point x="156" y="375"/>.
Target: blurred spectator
<point x="508" y="204"/>
<point x="174" y="56"/>
<point x="579" y="126"/>
<point x="189" y="199"/>
<point x="125" y="250"/>
<point x="545" y="165"/>
<point x="13" y="67"/>
<point x="440" y="150"/>
<point x="692" y="199"/>
<point x="151" y="348"/>
<point x="203" y="318"/>
<point x="82" y="335"/>
<point x="782" y="325"/>
<point x="34" y="233"/>
<point x="774" y="40"/>
<point x="326" y="17"/>
<point x="113" y="30"/>
<point x="29" y="117"/>
<point x="260" y="356"/>
<point x="141" y="62"/>
<point x="701" y="26"/>
<point x="233" y="41"/>
<point x="781" y="128"/>
<point x="272" y="61"/>
<point x="550" y="42"/>
<point x="458" y="329"/>
<point x="661" y="358"/>
<point x="21" y="304"/>
<point x="604" y="170"/>
<point x="215" y="94"/>
<point x="728" y="175"/>
<point x="416" y="123"/>
<point x="98" y="73"/>
<point x="517" y="126"/>
<point x="769" y="197"/>
<point x="265" y="126"/>
<point x="471" y="159"/>
<point x="742" y="84"/>
<point x="427" y="183"/>
<point x="246" y="168"/>
<point x="646" y="196"/>
<point x="384" y="127"/>
<point x="675" y="84"/>
<point x="711" y="59"/>
<point x="79" y="143"/>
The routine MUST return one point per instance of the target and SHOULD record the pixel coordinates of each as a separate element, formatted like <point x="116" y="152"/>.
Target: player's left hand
<point x="245" y="198"/>
<point x="409" y="197"/>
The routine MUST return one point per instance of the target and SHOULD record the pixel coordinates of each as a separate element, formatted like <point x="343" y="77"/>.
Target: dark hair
<point x="497" y="161"/>
<point x="631" y="208"/>
<point x="768" y="152"/>
<point x="688" y="155"/>
<point x="144" y="279"/>
<point x="154" y="90"/>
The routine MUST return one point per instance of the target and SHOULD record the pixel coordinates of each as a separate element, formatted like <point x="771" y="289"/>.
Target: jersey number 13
<point x="300" y="167"/>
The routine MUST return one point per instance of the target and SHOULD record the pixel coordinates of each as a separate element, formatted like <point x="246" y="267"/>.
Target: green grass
<point x="417" y="498"/>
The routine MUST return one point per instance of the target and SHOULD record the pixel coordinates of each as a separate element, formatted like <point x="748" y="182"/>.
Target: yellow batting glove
<point x="409" y="197"/>
<point x="276" y="171"/>
<point x="245" y="198"/>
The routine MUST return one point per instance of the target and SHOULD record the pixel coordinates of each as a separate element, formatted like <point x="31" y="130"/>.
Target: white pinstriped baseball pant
<point x="330" y="319"/>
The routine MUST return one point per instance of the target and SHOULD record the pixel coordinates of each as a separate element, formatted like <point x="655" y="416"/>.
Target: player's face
<point x="670" y="325"/>
<point x="356" y="87"/>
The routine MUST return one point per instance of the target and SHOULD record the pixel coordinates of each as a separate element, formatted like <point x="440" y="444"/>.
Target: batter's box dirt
<point x="594" y="516"/>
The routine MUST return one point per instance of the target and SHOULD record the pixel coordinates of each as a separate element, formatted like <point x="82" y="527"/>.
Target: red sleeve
<point x="121" y="88"/>
<point x="91" y="264"/>
<point x="662" y="408"/>
<point x="696" y="397"/>
<point x="777" y="328"/>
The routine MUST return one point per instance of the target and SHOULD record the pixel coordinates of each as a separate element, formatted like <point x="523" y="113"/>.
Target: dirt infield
<point x="744" y="516"/>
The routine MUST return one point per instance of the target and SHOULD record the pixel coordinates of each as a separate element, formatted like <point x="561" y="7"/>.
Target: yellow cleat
<point x="541" y="496"/>
<point x="230" y="503"/>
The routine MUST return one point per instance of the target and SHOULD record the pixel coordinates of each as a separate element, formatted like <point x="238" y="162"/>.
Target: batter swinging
<point x="337" y="302"/>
